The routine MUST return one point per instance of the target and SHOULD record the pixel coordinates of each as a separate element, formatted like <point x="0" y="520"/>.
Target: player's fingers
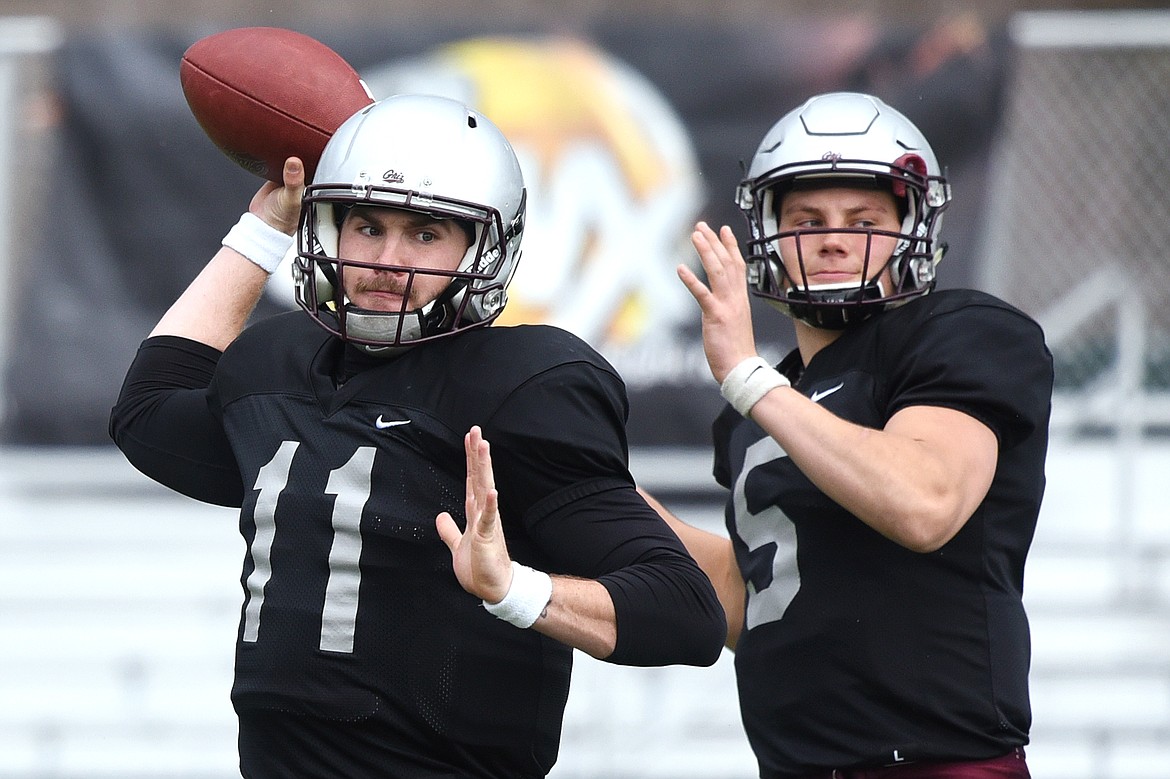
<point x="693" y="284"/>
<point x="713" y="252"/>
<point x="488" y="512"/>
<point x="471" y="500"/>
<point x="280" y="205"/>
<point x="705" y="242"/>
<point x="725" y="272"/>
<point x="294" y="173"/>
<point x="448" y="530"/>
<point x="491" y="513"/>
<point x="480" y="481"/>
<point x="480" y="484"/>
<point x="731" y="248"/>
<point x="707" y="257"/>
<point x="287" y="205"/>
<point x="480" y="460"/>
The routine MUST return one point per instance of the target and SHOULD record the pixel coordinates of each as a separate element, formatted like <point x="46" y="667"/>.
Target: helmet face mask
<point x="846" y="140"/>
<point x="423" y="154"/>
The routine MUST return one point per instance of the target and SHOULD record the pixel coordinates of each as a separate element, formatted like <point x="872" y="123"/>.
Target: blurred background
<point x="119" y="600"/>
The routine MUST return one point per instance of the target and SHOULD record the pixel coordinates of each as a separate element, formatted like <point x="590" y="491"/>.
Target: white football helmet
<point x="852" y="139"/>
<point x="417" y="153"/>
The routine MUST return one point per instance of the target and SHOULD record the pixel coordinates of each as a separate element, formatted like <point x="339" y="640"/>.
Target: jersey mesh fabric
<point x="356" y="638"/>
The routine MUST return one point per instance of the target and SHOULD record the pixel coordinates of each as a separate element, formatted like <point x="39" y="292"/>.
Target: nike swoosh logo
<point x="382" y="424"/>
<point x="816" y="396"/>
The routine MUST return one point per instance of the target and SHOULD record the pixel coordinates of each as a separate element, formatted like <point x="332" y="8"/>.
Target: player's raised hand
<point x="728" y="338"/>
<point x="280" y="205"/>
<point x="216" y="305"/>
<point x="479" y="553"/>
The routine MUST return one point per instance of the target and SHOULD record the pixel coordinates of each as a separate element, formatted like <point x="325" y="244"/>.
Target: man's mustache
<point x="382" y="283"/>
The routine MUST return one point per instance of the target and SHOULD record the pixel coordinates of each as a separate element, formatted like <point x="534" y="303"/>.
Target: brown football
<point x="263" y="94"/>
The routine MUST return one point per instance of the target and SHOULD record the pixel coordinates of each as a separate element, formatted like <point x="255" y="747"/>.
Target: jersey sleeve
<point x="164" y="424"/>
<point x="987" y="361"/>
<point x="560" y="456"/>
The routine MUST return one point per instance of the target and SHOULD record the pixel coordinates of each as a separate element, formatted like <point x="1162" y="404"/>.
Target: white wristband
<point x="529" y="593"/>
<point x="749" y="381"/>
<point x="259" y="241"/>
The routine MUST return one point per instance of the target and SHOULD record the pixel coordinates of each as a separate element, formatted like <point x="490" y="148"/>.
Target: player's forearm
<point x="580" y="614"/>
<point x="216" y="305"/>
<point x="661" y="610"/>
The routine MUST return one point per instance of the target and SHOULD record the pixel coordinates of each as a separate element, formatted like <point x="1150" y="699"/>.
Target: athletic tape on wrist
<point x="749" y="381"/>
<point x="529" y="593"/>
<point x="259" y="241"/>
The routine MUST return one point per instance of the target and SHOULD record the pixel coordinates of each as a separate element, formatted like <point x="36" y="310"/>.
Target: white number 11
<point x="350" y="484"/>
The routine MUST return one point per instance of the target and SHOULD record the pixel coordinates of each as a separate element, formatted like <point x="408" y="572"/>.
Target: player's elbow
<point x="710" y="646"/>
<point x="925" y="544"/>
<point x="930" y="528"/>
<point x="666" y="616"/>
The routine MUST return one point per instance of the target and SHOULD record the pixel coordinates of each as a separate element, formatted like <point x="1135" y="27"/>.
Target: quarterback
<point x="411" y="598"/>
<point x="884" y="479"/>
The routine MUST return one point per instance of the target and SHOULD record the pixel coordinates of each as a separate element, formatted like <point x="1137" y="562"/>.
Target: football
<point x="263" y="94"/>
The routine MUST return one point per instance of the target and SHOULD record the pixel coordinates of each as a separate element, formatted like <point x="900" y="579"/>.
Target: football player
<point x="885" y="478"/>
<point x="401" y="617"/>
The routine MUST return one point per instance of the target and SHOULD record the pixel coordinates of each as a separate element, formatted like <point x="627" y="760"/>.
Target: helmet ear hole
<point x="911" y="163"/>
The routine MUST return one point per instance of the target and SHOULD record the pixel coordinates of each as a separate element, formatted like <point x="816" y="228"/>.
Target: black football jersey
<point x="352" y="611"/>
<point x="857" y="651"/>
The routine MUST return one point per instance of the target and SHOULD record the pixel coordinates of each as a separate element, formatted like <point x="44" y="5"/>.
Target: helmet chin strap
<point x="401" y="329"/>
<point x="833" y="292"/>
<point x="833" y="306"/>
